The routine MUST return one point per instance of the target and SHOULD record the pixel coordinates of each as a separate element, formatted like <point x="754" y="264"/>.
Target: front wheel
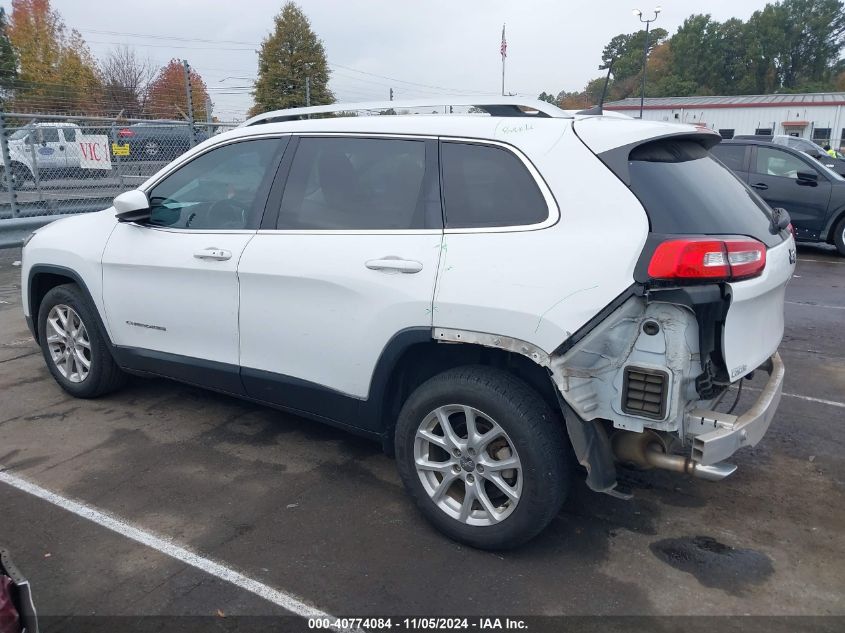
<point x="76" y="353"/>
<point x="839" y="237"/>
<point x="483" y="456"/>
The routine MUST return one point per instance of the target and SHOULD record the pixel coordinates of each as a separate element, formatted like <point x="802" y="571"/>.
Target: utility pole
<point x="186" y="68"/>
<point x="307" y="91"/>
<point x="647" y="23"/>
<point x="208" y="116"/>
<point x="391" y="94"/>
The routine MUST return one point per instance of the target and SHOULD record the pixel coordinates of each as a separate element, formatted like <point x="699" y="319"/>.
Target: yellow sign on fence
<point x="120" y="150"/>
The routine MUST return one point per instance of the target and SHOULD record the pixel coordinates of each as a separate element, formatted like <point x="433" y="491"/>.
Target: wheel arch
<point x="45" y="277"/>
<point x="836" y="217"/>
<point x="414" y="356"/>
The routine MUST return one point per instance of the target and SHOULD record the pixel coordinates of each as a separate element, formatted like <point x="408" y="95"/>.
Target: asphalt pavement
<point x="319" y="517"/>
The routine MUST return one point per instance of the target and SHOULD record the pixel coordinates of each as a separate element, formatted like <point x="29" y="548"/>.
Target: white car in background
<point x="490" y="297"/>
<point x="51" y="149"/>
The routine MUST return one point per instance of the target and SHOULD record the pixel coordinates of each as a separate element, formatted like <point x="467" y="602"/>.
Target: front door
<point x="170" y="285"/>
<point x="50" y="149"/>
<point x="350" y="262"/>
<point x="774" y="174"/>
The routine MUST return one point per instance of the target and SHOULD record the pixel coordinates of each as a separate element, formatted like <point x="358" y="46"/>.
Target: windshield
<point x="21" y="133"/>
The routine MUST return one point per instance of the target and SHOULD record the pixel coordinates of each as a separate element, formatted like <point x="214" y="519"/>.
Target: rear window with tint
<point x="686" y="191"/>
<point x="487" y="186"/>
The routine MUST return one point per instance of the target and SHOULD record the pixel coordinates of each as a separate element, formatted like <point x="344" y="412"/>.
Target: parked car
<point x="813" y="195"/>
<point x="55" y="150"/>
<point x="484" y="295"/>
<point x="158" y="140"/>
<point x="836" y="163"/>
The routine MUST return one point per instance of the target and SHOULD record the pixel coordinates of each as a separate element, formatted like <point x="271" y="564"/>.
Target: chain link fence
<point x="57" y="164"/>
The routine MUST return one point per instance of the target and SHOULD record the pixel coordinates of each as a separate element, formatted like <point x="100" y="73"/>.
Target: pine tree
<point x="287" y="56"/>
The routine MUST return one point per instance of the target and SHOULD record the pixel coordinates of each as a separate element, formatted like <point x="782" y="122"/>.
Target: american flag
<point x="503" y="49"/>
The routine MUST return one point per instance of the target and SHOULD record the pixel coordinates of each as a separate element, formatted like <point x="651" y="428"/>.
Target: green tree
<point x="626" y="52"/>
<point x="8" y="60"/>
<point x="288" y="55"/>
<point x="548" y="98"/>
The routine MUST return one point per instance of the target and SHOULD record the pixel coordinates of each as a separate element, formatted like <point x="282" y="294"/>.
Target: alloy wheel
<point x="68" y="342"/>
<point x="468" y="465"/>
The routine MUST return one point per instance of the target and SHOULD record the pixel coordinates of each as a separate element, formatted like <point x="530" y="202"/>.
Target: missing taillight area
<point x="707" y="259"/>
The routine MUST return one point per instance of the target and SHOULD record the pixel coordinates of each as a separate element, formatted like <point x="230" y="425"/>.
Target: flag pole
<point x="503" y="49"/>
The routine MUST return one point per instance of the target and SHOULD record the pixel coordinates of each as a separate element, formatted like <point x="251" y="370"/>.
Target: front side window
<point x="355" y="184"/>
<point x="216" y="190"/>
<point x="774" y="162"/>
<point x="488" y="186"/>
<point x="48" y="134"/>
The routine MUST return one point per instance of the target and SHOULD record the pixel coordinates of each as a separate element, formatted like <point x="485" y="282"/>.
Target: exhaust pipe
<point x="648" y="450"/>
<point x="655" y="457"/>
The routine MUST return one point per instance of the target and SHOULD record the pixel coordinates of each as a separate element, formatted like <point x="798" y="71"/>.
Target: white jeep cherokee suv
<point x="491" y="297"/>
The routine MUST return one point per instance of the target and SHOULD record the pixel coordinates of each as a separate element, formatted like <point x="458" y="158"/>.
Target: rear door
<point x="774" y="174"/>
<point x="345" y="262"/>
<point x="735" y="156"/>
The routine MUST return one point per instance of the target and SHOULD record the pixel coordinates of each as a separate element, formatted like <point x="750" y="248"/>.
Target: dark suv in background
<point x="802" y="145"/>
<point x="813" y="194"/>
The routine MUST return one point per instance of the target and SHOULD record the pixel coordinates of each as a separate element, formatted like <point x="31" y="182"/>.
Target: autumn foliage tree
<point x="57" y="71"/>
<point x="288" y="55"/>
<point x="167" y="97"/>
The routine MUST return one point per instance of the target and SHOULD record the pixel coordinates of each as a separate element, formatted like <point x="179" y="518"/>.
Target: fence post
<point x="7" y="167"/>
<point x="187" y="70"/>
<point x="208" y="117"/>
<point x="35" y="174"/>
<point x="116" y="156"/>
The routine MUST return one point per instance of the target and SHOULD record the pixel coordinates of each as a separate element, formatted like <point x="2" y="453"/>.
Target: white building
<point x="819" y="116"/>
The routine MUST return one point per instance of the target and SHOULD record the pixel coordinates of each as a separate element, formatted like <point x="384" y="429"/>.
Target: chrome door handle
<point x="395" y="264"/>
<point x="216" y="254"/>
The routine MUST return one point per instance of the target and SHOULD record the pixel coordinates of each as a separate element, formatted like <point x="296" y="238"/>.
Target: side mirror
<point x="808" y="178"/>
<point x="814" y="153"/>
<point x="132" y="206"/>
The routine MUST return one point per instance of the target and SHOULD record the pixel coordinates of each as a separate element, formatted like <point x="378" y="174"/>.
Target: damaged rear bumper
<point x="716" y="436"/>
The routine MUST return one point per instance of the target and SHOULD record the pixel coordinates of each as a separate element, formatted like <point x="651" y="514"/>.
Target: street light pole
<point x="647" y="23"/>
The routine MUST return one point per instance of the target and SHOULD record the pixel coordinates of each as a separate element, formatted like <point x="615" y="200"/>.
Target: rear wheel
<point x="76" y="353"/>
<point x="839" y="237"/>
<point x="483" y="457"/>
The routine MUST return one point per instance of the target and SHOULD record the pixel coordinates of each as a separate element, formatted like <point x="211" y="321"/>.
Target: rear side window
<point x="732" y="155"/>
<point x="70" y="134"/>
<point x="685" y="191"/>
<point x="486" y="186"/>
<point x="355" y="184"/>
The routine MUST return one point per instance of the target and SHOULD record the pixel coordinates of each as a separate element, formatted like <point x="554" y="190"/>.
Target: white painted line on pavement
<point x="819" y="261"/>
<point x="814" y="305"/>
<point x="166" y="547"/>
<point x="831" y="403"/>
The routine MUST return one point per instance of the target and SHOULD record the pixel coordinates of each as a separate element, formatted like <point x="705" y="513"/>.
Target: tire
<point x="67" y="304"/>
<point x="525" y="424"/>
<point x="20" y="175"/>
<point x="839" y="237"/>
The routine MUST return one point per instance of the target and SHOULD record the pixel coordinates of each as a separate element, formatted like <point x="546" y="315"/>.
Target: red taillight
<point x="791" y="229"/>
<point x="708" y="259"/>
<point x="125" y="133"/>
